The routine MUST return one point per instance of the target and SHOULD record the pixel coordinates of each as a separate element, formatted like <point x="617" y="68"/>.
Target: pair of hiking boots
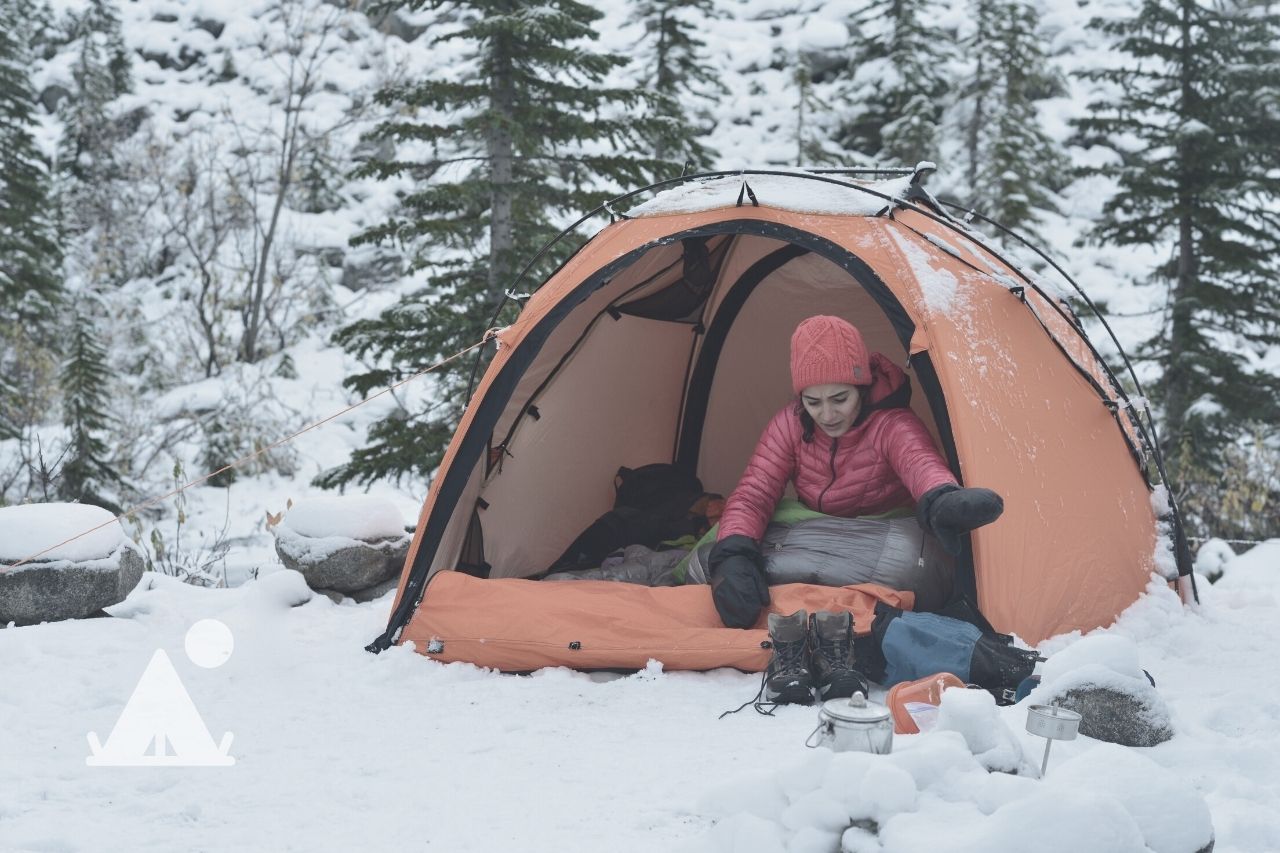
<point x="813" y="656"/>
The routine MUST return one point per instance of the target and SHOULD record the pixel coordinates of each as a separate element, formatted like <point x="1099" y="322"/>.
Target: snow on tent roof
<point x="29" y="529"/>
<point x="780" y="191"/>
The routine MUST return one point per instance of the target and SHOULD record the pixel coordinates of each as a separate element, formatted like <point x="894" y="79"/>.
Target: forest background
<point x="220" y="221"/>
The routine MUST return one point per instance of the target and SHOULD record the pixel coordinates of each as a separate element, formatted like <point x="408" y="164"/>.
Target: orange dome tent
<point x="665" y="338"/>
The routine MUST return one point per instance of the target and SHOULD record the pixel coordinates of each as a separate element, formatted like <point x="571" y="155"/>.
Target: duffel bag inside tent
<point x="665" y="338"/>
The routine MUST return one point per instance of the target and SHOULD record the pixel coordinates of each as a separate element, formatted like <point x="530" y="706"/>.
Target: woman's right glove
<point x="738" y="585"/>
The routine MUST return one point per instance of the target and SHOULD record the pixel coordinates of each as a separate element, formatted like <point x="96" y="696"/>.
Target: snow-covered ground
<point x="338" y="749"/>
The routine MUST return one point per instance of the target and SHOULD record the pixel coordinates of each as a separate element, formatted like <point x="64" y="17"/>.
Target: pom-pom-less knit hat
<point x="827" y="350"/>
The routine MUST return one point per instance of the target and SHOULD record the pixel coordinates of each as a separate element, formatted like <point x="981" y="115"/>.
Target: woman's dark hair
<point x="806" y="420"/>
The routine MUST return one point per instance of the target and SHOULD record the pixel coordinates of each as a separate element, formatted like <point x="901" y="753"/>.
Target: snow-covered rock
<point x="67" y="579"/>
<point x="1099" y="678"/>
<point x="350" y="545"/>
<point x="42" y="530"/>
<point x="1212" y="556"/>
<point x="1115" y="709"/>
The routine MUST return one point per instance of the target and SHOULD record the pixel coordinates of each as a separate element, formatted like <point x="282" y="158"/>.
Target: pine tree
<point x="677" y="73"/>
<point x="811" y="149"/>
<point x="29" y="257"/>
<point x="513" y="139"/>
<point x="29" y="254"/>
<point x="1013" y="168"/>
<point x="102" y="73"/>
<point x="86" y="474"/>
<point x="895" y="83"/>
<point x="1194" y="124"/>
<point x="92" y="177"/>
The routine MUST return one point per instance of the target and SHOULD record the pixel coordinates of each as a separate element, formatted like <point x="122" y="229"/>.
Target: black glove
<point x="738" y="585"/>
<point x="949" y="512"/>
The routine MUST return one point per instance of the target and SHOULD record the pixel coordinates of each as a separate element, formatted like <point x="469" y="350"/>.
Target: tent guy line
<point x="489" y="334"/>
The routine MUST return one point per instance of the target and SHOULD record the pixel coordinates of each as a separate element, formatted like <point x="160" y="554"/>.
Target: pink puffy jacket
<point x="885" y="461"/>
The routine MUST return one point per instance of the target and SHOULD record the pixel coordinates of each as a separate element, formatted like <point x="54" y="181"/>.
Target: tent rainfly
<point x="664" y="338"/>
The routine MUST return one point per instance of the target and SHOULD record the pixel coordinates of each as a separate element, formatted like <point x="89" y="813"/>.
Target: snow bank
<point x="348" y="516"/>
<point x="31" y="528"/>
<point x="931" y="793"/>
<point x="780" y="191"/>
<point x="1106" y="652"/>
<point x="1257" y="566"/>
<point x="973" y="714"/>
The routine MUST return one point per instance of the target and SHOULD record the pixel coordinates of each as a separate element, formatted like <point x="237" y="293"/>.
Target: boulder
<point x="49" y="591"/>
<point x="1130" y="714"/>
<point x="369" y="594"/>
<point x="341" y="565"/>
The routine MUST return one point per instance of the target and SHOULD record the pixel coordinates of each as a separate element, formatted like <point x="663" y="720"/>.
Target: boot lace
<point x="789" y="656"/>
<point x="836" y="652"/>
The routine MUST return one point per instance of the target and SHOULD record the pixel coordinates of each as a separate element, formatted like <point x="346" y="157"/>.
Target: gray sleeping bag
<point x="892" y="552"/>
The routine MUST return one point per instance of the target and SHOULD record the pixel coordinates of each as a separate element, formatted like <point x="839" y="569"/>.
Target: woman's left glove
<point x="738" y="585"/>
<point x="949" y="512"/>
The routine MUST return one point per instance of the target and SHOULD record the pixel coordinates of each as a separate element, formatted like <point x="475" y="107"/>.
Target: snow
<point x="1212" y="556"/>
<point x="205" y="396"/>
<point x="780" y="191"/>
<point x="30" y="529"/>
<point x="1260" y="564"/>
<point x="973" y="715"/>
<point x="940" y="289"/>
<point x="349" y="516"/>
<point x="320" y="526"/>
<point x="346" y="744"/>
<point x="1106" y="651"/>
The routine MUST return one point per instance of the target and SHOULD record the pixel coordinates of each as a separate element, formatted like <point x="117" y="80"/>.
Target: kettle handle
<point x="822" y="724"/>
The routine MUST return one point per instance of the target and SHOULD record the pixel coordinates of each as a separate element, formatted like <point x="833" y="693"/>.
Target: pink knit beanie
<point x="827" y="350"/>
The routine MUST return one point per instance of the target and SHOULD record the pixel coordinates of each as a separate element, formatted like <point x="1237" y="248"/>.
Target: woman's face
<point x="832" y="407"/>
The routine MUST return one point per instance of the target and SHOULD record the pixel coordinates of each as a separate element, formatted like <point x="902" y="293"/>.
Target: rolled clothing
<point x="890" y="551"/>
<point x="633" y="564"/>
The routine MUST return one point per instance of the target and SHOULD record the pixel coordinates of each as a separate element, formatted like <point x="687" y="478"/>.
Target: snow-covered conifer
<point x="674" y="67"/>
<point x="30" y="283"/>
<point x="523" y="131"/>
<point x="29" y="256"/>
<point x="1193" y="122"/>
<point x="87" y="474"/>
<point x="1012" y="168"/>
<point x="92" y="184"/>
<point x="896" y="81"/>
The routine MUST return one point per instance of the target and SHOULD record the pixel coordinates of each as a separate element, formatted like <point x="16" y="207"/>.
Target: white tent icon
<point x="160" y="726"/>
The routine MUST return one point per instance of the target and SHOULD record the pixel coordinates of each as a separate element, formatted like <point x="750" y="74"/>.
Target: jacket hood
<point x="890" y="387"/>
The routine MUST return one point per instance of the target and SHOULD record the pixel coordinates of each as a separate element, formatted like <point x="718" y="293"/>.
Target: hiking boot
<point x="787" y="678"/>
<point x="834" y="665"/>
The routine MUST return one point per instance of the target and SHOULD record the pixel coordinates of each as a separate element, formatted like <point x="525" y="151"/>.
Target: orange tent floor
<point x="522" y="625"/>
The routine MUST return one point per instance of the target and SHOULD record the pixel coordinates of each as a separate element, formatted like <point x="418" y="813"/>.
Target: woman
<point x="852" y="447"/>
